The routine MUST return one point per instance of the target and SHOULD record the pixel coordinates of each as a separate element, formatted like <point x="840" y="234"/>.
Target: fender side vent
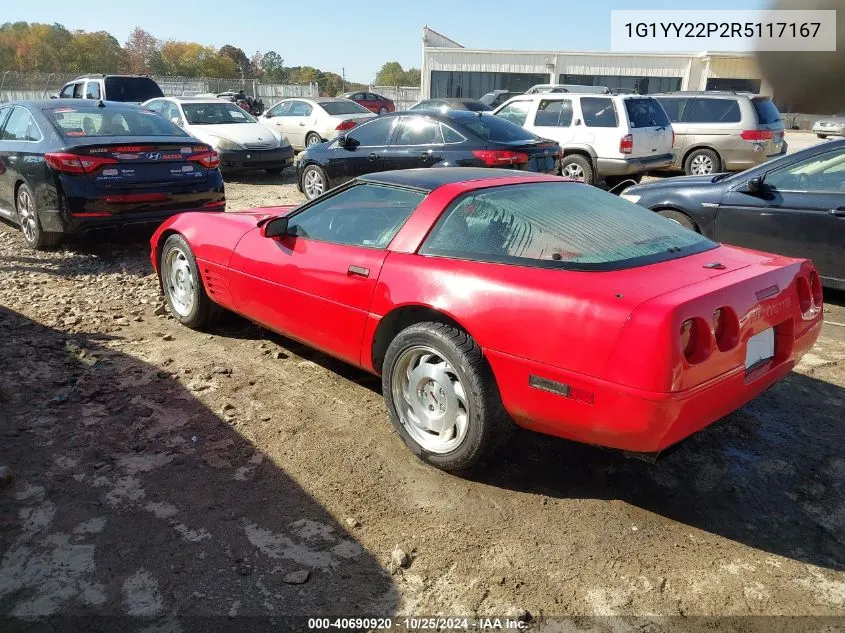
<point x="544" y="384"/>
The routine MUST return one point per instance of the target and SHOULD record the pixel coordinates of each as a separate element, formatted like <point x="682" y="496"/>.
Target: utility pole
<point x="343" y="80"/>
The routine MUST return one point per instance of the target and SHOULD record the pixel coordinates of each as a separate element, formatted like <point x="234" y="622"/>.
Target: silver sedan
<point x="830" y="126"/>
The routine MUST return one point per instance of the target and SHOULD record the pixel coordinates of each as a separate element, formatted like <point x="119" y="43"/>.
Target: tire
<point x="312" y="138"/>
<point x="578" y="167"/>
<point x="822" y="135"/>
<point x="448" y="356"/>
<point x="314" y="182"/>
<point x="382" y="110"/>
<point x="188" y="302"/>
<point x="30" y="224"/>
<point x="702" y="162"/>
<point x="681" y="218"/>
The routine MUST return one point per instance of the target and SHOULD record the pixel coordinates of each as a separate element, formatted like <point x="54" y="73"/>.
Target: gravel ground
<point x="157" y="471"/>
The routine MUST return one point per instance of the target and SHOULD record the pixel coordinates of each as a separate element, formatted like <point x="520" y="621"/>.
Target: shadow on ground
<point x="130" y="498"/>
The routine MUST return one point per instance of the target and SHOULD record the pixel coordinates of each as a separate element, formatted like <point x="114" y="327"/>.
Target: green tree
<point x="390" y="74"/>
<point x="411" y="78"/>
<point x="237" y="55"/>
<point x="95" y="52"/>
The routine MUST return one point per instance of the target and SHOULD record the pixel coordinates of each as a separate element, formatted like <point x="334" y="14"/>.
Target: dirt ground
<point x="166" y="474"/>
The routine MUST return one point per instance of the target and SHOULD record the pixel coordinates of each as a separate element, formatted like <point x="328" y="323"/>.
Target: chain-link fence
<point x="17" y="85"/>
<point x="402" y="96"/>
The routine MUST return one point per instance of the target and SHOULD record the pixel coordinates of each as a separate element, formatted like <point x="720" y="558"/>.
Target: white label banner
<point x="685" y="31"/>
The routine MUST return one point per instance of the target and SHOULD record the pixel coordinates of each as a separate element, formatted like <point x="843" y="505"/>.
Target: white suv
<point x="604" y="137"/>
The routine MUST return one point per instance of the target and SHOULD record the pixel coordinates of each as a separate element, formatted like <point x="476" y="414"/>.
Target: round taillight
<point x="805" y="297"/>
<point x="725" y="328"/>
<point x="695" y="340"/>
<point x="816" y="288"/>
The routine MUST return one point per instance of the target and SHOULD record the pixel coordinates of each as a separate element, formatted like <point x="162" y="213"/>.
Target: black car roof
<point x="430" y="179"/>
<point x="76" y="104"/>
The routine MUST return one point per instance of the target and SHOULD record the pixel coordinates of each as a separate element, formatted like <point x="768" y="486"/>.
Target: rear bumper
<point x="742" y="159"/>
<point x="60" y="222"/>
<point x="626" y="166"/>
<point x="246" y="160"/>
<point x="627" y="418"/>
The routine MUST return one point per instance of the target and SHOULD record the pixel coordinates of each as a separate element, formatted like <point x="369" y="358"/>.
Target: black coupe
<point x="793" y="205"/>
<point x="407" y="140"/>
<point x="73" y="165"/>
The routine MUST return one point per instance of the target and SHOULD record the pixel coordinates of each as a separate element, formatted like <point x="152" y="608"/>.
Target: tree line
<point x="51" y="48"/>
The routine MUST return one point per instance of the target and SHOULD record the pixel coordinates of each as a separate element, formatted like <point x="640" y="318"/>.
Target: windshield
<point x="215" y="114"/>
<point x="646" y="112"/>
<point x="71" y="122"/>
<point x="558" y="225"/>
<point x="131" y="89"/>
<point x="767" y="111"/>
<point x="343" y="107"/>
<point x="493" y="128"/>
<point x="489" y="98"/>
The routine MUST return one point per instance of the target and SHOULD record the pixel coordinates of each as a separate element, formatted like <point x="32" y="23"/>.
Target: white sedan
<point x="306" y="121"/>
<point x="242" y="142"/>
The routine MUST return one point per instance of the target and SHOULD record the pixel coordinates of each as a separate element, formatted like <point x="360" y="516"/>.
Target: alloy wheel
<point x="701" y="165"/>
<point x="26" y="215"/>
<point x="574" y="171"/>
<point x="430" y="399"/>
<point x="179" y="282"/>
<point x="313" y="184"/>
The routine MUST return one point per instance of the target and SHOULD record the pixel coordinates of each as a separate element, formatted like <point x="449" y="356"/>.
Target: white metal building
<point x="450" y="70"/>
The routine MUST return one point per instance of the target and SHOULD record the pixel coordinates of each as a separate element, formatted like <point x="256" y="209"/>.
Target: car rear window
<point x="477" y="106"/>
<point x="343" y="107"/>
<point x="493" y="128"/>
<point x="98" y="122"/>
<point x="767" y="111"/>
<point x="132" y="89"/>
<point x="558" y="225"/>
<point x="646" y="112"/>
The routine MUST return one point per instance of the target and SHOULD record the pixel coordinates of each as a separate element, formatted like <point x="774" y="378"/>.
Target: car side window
<point x="598" y="112"/>
<point x="554" y="113"/>
<point x="418" y="131"/>
<point x="77" y="89"/>
<point x="92" y="90"/>
<point x="280" y="109"/>
<point x="515" y="112"/>
<point x="4" y="112"/>
<point x="674" y="108"/>
<point x="364" y="215"/>
<point x="300" y="108"/>
<point x="372" y="97"/>
<point x="358" y="95"/>
<point x="156" y="106"/>
<point x="712" y="110"/>
<point x="450" y="135"/>
<point x="820" y="173"/>
<point x="374" y="133"/>
<point x="21" y="127"/>
<point x="171" y="111"/>
<point x="67" y="92"/>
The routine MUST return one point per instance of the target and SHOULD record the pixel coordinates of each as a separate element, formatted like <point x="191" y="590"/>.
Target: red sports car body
<point x="597" y="321"/>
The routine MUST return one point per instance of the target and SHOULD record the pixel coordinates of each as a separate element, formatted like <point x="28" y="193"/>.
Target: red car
<point x="486" y="296"/>
<point x="371" y="101"/>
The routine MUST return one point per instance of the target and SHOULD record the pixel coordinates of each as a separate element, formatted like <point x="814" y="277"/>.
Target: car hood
<point x="238" y="132"/>
<point x="837" y="120"/>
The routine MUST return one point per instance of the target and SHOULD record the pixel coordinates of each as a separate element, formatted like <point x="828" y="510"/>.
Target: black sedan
<point x="406" y="140"/>
<point x="793" y="205"/>
<point x="71" y="165"/>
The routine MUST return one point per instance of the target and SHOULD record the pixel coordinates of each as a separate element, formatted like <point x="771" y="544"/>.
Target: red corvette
<point x="488" y="296"/>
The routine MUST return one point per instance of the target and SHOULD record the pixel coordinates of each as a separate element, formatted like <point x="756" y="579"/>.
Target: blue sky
<point x="359" y="36"/>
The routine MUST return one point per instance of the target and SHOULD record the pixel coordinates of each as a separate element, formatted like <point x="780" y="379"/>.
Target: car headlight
<point x="223" y="144"/>
<point x="630" y="197"/>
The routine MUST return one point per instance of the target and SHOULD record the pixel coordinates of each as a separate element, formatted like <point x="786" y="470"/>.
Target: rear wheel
<point x="182" y="285"/>
<point x="442" y="397"/>
<point x="312" y="139"/>
<point x="702" y="162"/>
<point x="314" y="182"/>
<point x="29" y="222"/>
<point x="678" y="217"/>
<point x="577" y="167"/>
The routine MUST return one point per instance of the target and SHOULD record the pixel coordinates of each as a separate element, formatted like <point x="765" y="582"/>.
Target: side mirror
<point x="754" y="185"/>
<point x="342" y="140"/>
<point x="277" y="227"/>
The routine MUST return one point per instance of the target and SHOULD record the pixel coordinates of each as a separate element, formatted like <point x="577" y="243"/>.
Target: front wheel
<point x="442" y="397"/>
<point x="183" y="289"/>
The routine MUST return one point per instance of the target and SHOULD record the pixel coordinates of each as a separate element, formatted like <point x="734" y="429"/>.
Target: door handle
<point x="839" y="212"/>
<point x="359" y="271"/>
<point x="425" y="155"/>
<point x="372" y="157"/>
<point x="301" y="124"/>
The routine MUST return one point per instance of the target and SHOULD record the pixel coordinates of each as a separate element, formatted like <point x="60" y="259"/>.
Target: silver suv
<point x="722" y="131"/>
